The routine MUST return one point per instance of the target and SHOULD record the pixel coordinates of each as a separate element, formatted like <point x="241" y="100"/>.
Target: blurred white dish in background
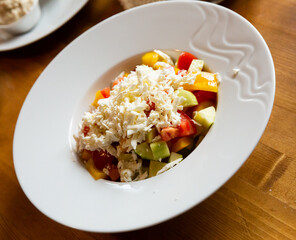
<point x="54" y="14"/>
<point x="12" y="10"/>
<point x="19" y="16"/>
<point x="48" y="170"/>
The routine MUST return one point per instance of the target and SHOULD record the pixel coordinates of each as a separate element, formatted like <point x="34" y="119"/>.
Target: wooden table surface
<point x="258" y="202"/>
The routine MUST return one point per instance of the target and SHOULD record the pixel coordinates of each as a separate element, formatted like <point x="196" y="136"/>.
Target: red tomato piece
<point x="102" y="158"/>
<point x="169" y="133"/>
<point x="113" y="172"/>
<point x="106" y="92"/>
<point x="186" y="127"/>
<point x="202" y="96"/>
<point x="189" y="111"/>
<point x="185" y="60"/>
<point x="85" y="130"/>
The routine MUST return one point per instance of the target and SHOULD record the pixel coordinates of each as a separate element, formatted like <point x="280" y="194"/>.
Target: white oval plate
<point x="54" y="13"/>
<point x="62" y="189"/>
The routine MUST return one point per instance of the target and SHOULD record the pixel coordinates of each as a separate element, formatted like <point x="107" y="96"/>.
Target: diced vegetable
<point x="102" y="158"/>
<point x="144" y="151"/>
<point x="96" y="173"/>
<point x="190" y="99"/>
<point x="154" y="167"/>
<point x="113" y="172"/>
<point x="99" y="96"/>
<point x="200" y="130"/>
<point x="204" y="81"/>
<point x="151" y="135"/>
<point x="86" y="154"/>
<point x="202" y="96"/>
<point x="174" y="156"/>
<point x="160" y="150"/>
<point x="145" y="101"/>
<point x="182" y="143"/>
<point x="203" y="105"/>
<point x="186" y="127"/>
<point x="106" y="92"/>
<point x="150" y="59"/>
<point x="126" y="156"/>
<point x="196" y="66"/>
<point x="185" y="60"/>
<point x="169" y="133"/>
<point x="205" y="117"/>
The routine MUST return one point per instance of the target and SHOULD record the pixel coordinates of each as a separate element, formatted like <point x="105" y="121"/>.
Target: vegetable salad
<point x="148" y="120"/>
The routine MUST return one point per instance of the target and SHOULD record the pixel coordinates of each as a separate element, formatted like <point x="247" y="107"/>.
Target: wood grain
<point x="258" y="202"/>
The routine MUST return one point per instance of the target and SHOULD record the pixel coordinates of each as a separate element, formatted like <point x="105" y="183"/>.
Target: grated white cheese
<point x="126" y="175"/>
<point x="128" y="169"/>
<point x="144" y="99"/>
<point x="122" y="117"/>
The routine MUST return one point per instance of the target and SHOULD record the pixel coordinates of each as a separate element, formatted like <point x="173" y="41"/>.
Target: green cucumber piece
<point x="160" y="150"/>
<point x="144" y="151"/>
<point x="151" y="135"/>
<point x="126" y="156"/>
<point x="154" y="167"/>
<point x="190" y="99"/>
<point x="205" y="117"/>
<point x="174" y="156"/>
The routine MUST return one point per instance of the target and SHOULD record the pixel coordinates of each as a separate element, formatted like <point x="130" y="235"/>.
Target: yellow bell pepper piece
<point x="99" y="96"/>
<point x="125" y="74"/>
<point x="86" y="155"/>
<point x="150" y="58"/>
<point x="177" y="70"/>
<point x="96" y="173"/>
<point x="204" y="81"/>
<point x="181" y="143"/>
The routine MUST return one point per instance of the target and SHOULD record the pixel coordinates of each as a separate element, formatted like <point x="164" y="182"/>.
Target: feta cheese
<point x="126" y="175"/>
<point x="124" y="114"/>
<point x="145" y="98"/>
